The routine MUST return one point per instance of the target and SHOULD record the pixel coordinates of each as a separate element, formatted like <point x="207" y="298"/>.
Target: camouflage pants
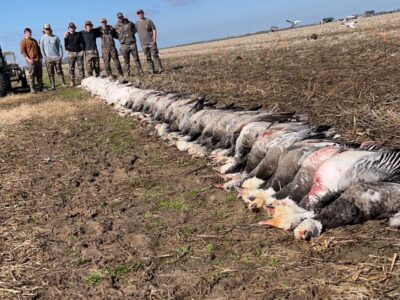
<point x="127" y="50"/>
<point x="33" y="71"/>
<point x="92" y="62"/>
<point x="53" y="65"/>
<point x="109" y="53"/>
<point x="76" y="58"/>
<point x="150" y="51"/>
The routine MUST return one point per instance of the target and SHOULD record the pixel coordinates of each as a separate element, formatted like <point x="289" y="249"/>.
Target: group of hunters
<point x="82" y="50"/>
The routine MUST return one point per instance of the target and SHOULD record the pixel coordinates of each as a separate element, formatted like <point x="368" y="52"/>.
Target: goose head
<point x="255" y="199"/>
<point x="307" y="229"/>
<point x="285" y="214"/>
<point x="395" y="220"/>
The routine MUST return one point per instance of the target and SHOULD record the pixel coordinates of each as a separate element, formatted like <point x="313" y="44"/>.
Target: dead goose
<point x="347" y="168"/>
<point x="182" y="112"/>
<point x="226" y="130"/>
<point x="244" y="143"/>
<point x="359" y="203"/>
<point x="292" y="159"/>
<point x="289" y="163"/>
<point x="266" y="168"/>
<point x="171" y="111"/>
<point x="302" y="182"/>
<point x="265" y="139"/>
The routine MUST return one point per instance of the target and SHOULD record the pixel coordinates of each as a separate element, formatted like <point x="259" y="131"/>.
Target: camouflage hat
<point x="140" y="11"/>
<point x="88" y="23"/>
<point x="71" y="25"/>
<point x="46" y="26"/>
<point x="103" y="20"/>
<point x="120" y="15"/>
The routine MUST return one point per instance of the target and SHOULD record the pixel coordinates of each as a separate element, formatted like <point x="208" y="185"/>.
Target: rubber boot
<point x="62" y="78"/>
<point x="160" y="67"/>
<point x="52" y="83"/>
<point x="72" y="82"/>
<point x="139" y="69"/>
<point x="32" y="85"/>
<point x="150" y="66"/>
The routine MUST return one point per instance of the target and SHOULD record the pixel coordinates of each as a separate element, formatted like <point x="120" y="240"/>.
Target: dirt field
<point x="94" y="206"/>
<point x="347" y="77"/>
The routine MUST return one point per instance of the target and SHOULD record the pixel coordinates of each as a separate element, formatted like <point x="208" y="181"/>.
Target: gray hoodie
<point x="51" y="47"/>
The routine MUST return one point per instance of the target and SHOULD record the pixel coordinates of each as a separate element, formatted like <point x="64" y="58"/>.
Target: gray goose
<point x="359" y="203"/>
<point x="347" y="168"/>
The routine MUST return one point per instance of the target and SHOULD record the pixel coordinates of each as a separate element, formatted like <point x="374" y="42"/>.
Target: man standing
<point x="126" y="35"/>
<point x="108" y="49"/>
<point x="30" y="50"/>
<point x="89" y="36"/>
<point x="73" y="42"/>
<point x="148" y="40"/>
<point x="52" y="52"/>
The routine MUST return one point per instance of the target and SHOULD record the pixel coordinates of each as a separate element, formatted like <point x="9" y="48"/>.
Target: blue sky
<point x="177" y="21"/>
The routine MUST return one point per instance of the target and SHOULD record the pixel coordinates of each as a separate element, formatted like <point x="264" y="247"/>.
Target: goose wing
<point x="383" y="166"/>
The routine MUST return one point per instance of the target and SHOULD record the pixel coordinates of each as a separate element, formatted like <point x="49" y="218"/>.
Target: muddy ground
<point x="344" y="78"/>
<point x="94" y="206"/>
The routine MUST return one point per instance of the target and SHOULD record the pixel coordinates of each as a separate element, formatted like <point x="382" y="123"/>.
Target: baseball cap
<point x="140" y="11"/>
<point x="71" y="25"/>
<point x="103" y="20"/>
<point x="120" y="15"/>
<point x="46" y="26"/>
<point x="88" y="23"/>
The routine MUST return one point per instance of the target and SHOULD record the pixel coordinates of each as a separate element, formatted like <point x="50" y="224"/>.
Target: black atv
<point x="5" y="83"/>
<point x="10" y="72"/>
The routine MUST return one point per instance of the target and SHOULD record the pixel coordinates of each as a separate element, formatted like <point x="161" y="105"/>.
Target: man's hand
<point x="66" y="34"/>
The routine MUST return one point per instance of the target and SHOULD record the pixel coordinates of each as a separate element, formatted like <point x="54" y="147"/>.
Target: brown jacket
<point x="30" y="49"/>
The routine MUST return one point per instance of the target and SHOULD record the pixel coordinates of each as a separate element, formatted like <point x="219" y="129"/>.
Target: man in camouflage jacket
<point x="107" y="35"/>
<point x="126" y="31"/>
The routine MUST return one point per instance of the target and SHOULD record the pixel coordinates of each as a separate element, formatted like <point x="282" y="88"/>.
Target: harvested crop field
<point x="95" y="206"/>
<point x="346" y="77"/>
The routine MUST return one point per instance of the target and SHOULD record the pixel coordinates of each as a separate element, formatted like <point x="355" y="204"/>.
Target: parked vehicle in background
<point x="10" y="71"/>
<point x="5" y="84"/>
<point x="15" y="72"/>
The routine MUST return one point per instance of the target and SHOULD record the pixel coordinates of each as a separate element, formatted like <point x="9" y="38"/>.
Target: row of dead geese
<point x="305" y="177"/>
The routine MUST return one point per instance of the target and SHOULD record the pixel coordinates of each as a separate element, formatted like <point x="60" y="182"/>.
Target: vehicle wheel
<point x="3" y="84"/>
<point x="24" y="82"/>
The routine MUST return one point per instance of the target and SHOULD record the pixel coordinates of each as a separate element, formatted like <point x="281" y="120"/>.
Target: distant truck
<point x="369" y="13"/>
<point x="328" y="20"/>
<point x="349" y="18"/>
<point x="274" y="29"/>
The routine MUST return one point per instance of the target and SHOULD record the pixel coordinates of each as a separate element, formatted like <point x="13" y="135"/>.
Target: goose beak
<point x="304" y="235"/>
<point x="270" y="210"/>
<point x="274" y="222"/>
<point x="240" y="191"/>
<point x="256" y="204"/>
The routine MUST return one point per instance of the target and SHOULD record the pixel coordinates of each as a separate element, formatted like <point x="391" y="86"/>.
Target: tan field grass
<point x="373" y="27"/>
<point x="24" y="112"/>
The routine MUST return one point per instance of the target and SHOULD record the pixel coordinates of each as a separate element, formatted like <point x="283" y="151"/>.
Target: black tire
<point x="3" y="84"/>
<point x="24" y="82"/>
